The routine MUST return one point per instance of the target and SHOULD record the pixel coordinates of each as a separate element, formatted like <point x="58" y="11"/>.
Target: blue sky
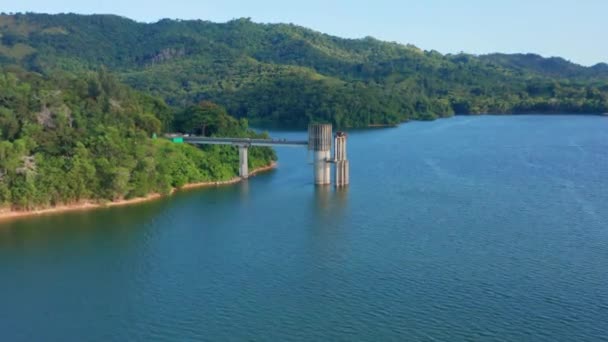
<point x="575" y="30"/>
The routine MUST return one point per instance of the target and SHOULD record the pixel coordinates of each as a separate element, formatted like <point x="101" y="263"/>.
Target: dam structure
<point x="340" y="160"/>
<point x="319" y="142"/>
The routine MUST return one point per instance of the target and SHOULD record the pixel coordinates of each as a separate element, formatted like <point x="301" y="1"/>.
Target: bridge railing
<point x="192" y="139"/>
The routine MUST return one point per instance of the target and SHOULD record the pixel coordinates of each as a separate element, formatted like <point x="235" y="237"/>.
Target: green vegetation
<point x="80" y="96"/>
<point x="87" y="137"/>
<point x="288" y="75"/>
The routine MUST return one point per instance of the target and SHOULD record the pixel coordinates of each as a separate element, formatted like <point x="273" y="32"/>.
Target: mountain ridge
<point x="600" y="64"/>
<point x="292" y="75"/>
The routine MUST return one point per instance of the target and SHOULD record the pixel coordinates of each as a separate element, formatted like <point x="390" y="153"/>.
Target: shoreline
<point x="382" y="125"/>
<point x="6" y="215"/>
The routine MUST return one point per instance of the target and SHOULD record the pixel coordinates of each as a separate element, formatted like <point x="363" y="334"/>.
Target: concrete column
<point x="322" y="168"/>
<point x="327" y="167"/>
<point x="342" y="176"/>
<point x="243" y="167"/>
<point x="319" y="141"/>
<point x="342" y="170"/>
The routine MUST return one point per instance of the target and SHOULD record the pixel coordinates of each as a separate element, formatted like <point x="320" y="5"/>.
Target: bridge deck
<point x="244" y="141"/>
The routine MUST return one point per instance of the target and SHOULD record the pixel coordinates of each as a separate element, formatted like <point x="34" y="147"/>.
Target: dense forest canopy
<point x="82" y="96"/>
<point x="289" y="75"/>
<point x="82" y="137"/>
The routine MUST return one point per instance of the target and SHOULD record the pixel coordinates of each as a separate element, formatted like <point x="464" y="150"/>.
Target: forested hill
<point x="289" y="75"/>
<point x="551" y="67"/>
<point x="87" y="137"/>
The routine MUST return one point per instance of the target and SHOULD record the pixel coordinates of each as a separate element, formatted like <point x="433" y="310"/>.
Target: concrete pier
<point x="319" y="141"/>
<point x="342" y="169"/>
<point x="342" y="173"/>
<point x="322" y="167"/>
<point x="243" y="166"/>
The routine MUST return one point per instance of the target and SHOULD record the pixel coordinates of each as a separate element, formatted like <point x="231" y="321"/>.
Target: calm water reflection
<point x="479" y="228"/>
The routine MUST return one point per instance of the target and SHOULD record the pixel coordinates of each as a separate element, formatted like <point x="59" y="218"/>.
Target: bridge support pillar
<point x="322" y="167"/>
<point x="319" y="141"/>
<point x="243" y="167"/>
<point x="342" y="172"/>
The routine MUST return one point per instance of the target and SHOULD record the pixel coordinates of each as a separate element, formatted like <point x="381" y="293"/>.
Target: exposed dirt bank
<point x="7" y="214"/>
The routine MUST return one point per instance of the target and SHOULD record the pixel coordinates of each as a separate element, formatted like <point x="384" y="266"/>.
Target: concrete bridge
<point x="196" y="140"/>
<point x="319" y="140"/>
<point x="243" y="145"/>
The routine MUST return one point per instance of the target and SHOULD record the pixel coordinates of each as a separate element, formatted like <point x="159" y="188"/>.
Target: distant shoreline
<point x="8" y="214"/>
<point x="382" y="125"/>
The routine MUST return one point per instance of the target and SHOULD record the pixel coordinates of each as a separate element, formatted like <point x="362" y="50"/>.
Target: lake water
<point x="470" y="228"/>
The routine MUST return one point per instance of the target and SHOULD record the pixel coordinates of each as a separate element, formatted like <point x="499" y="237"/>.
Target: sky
<point x="574" y="30"/>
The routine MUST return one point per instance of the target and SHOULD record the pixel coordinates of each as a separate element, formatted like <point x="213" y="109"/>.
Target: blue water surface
<point x="471" y="228"/>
